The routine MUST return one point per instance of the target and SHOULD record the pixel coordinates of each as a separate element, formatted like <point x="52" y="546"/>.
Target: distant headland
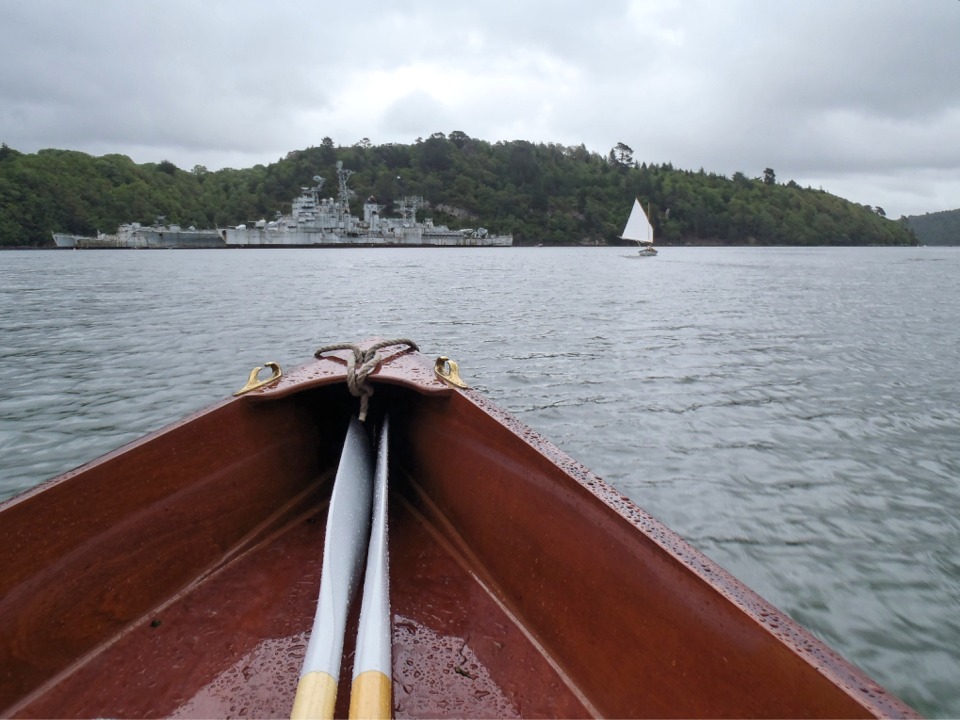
<point x="541" y="193"/>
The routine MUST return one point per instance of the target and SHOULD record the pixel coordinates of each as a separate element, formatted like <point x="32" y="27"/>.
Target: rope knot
<point x="360" y="364"/>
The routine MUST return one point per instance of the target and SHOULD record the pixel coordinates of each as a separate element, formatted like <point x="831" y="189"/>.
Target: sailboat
<point x="639" y="230"/>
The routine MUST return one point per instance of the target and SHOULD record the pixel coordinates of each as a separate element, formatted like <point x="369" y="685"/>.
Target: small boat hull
<point x="178" y="576"/>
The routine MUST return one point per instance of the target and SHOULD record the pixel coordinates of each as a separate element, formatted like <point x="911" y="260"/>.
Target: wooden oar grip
<point x="316" y="697"/>
<point x="370" y="697"/>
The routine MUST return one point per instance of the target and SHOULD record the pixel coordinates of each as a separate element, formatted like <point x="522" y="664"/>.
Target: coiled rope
<point x="360" y="364"/>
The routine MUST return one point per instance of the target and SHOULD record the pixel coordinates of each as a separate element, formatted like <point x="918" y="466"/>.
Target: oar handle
<point x="370" y="696"/>
<point x="316" y="697"/>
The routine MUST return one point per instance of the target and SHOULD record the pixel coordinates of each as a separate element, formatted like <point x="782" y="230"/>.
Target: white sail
<point x="638" y="227"/>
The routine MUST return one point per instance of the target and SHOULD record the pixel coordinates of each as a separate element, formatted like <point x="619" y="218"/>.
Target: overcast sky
<point x="860" y="97"/>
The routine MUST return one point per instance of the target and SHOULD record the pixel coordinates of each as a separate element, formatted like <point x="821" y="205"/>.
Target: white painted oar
<point x="370" y="695"/>
<point x="348" y="530"/>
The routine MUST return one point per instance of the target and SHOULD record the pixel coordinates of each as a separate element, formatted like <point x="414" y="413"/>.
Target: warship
<point x="313" y="222"/>
<point x="316" y="221"/>
<point x="135" y="235"/>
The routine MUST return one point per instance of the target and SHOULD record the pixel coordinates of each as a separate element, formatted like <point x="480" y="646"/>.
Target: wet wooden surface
<point x="232" y="644"/>
<point x="179" y="577"/>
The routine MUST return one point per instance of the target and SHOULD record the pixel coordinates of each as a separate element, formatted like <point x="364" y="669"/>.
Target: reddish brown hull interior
<point x="179" y="577"/>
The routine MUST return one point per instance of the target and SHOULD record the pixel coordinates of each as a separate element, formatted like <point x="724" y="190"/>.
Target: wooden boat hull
<point x="178" y="576"/>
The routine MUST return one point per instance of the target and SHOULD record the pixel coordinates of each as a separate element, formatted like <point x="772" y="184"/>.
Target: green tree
<point x="622" y="154"/>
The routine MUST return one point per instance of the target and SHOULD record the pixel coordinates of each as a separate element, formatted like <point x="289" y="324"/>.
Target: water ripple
<point x="792" y="412"/>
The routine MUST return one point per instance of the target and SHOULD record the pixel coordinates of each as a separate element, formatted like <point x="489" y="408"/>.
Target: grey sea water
<point x="794" y="413"/>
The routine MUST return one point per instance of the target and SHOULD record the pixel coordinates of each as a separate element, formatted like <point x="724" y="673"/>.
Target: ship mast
<point x="408" y="209"/>
<point x="342" y="176"/>
<point x="407" y="206"/>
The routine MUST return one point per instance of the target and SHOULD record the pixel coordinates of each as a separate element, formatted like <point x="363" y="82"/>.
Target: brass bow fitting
<point x="255" y="383"/>
<point x="448" y="371"/>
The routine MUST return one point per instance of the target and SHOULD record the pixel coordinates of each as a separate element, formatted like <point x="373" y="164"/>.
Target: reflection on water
<point x="791" y="412"/>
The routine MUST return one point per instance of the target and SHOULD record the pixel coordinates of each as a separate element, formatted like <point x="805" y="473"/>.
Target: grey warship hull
<point x="266" y="237"/>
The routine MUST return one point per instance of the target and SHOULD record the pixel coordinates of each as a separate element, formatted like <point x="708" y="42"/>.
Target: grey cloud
<point x="857" y="96"/>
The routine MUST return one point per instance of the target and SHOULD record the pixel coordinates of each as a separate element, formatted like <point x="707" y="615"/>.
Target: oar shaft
<point x="347" y="533"/>
<point x="370" y="696"/>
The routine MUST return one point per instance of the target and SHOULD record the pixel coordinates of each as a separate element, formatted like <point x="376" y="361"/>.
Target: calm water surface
<point x="794" y="413"/>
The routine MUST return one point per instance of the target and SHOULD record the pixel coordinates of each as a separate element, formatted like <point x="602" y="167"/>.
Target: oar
<point x="348" y="528"/>
<point x="370" y="696"/>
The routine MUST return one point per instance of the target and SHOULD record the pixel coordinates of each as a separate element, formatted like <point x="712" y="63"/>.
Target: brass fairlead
<point x="254" y="383"/>
<point x="448" y="371"/>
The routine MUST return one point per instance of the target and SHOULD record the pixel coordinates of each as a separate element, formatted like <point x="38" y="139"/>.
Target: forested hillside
<point x="939" y="228"/>
<point x="542" y="193"/>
